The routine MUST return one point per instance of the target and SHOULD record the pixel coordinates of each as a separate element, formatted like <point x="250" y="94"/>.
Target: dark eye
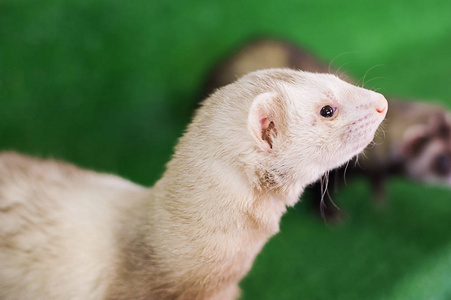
<point x="327" y="111"/>
<point x="442" y="165"/>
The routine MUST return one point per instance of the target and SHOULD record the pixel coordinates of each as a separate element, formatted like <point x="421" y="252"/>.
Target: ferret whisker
<point x="337" y="72"/>
<point x="356" y="163"/>
<point x="332" y="201"/>
<point x="375" y="78"/>
<point x="376" y="90"/>
<point x="324" y="184"/>
<point x="364" y="76"/>
<point x="344" y="172"/>
<point x="380" y="132"/>
<point x="363" y="154"/>
<point x="371" y="145"/>
<point x="336" y="57"/>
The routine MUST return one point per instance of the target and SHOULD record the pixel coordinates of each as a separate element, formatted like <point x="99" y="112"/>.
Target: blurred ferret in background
<point x="264" y="54"/>
<point x="416" y="142"/>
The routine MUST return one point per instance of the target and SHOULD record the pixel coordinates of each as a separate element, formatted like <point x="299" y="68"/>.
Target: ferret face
<point x="316" y="124"/>
<point x="433" y="164"/>
<point x="341" y="120"/>
<point x="427" y="150"/>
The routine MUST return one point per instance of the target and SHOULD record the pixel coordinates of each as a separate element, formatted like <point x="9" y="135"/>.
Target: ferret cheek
<point x="313" y="121"/>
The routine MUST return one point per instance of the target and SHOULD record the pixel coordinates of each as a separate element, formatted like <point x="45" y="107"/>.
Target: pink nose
<point x="382" y="104"/>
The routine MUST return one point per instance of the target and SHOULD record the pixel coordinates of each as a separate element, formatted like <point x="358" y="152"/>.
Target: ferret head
<point x="427" y="149"/>
<point x="303" y="124"/>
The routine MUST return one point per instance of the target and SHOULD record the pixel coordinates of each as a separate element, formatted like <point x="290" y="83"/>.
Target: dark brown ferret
<point x="416" y="142"/>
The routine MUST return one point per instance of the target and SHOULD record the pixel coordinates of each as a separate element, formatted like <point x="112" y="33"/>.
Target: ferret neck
<point x="219" y="191"/>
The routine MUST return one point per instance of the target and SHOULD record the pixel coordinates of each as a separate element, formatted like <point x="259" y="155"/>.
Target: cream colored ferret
<point x="67" y="233"/>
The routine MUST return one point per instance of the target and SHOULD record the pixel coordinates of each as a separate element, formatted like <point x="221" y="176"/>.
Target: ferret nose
<point x="381" y="105"/>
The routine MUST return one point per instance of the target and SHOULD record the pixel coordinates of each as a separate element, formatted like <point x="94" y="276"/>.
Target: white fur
<point x="67" y="233"/>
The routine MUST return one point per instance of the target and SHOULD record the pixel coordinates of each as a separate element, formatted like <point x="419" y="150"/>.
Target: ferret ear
<point x="414" y="140"/>
<point x="262" y="120"/>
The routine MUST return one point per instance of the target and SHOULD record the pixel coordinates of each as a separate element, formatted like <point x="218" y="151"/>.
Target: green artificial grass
<point x="110" y="85"/>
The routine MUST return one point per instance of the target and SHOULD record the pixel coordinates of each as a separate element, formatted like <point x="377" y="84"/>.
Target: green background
<point x="110" y="85"/>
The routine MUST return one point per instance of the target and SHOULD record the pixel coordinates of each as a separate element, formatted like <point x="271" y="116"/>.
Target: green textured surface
<point x="109" y="85"/>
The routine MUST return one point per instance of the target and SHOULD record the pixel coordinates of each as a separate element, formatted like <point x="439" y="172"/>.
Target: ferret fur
<point x="251" y="149"/>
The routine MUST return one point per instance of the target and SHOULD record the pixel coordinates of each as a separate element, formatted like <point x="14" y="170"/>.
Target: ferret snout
<point x="381" y="104"/>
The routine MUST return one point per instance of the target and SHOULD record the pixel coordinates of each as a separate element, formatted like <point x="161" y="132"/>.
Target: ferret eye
<point x="442" y="165"/>
<point x="327" y="111"/>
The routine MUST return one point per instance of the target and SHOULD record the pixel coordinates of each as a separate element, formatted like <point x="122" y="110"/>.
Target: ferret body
<point x="251" y="149"/>
<point x="416" y="142"/>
